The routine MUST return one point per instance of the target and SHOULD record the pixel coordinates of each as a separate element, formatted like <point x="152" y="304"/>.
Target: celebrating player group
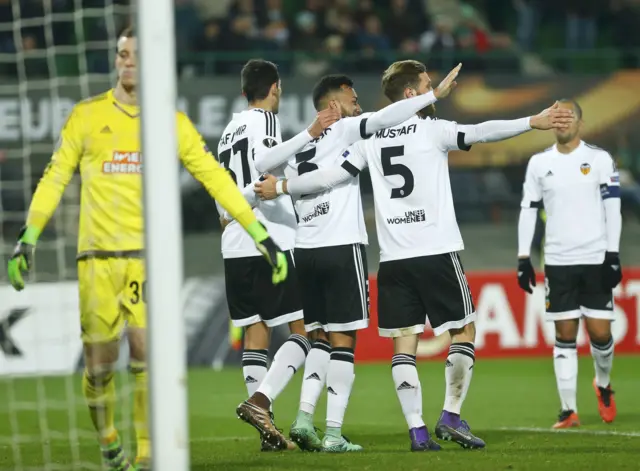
<point x="294" y="246"/>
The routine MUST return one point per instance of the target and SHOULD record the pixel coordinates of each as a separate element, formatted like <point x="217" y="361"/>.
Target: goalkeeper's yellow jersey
<point x="101" y="137"/>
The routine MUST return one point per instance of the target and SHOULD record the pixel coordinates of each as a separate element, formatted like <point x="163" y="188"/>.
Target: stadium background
<point x="518" y="55"/>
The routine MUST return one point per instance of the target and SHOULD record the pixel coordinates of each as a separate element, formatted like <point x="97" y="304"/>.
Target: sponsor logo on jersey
<point x="549" y="174"/>
<point x="585" y="168"/>
<point x="320" y="210"/>
<point x="410" y="217"/>
<point x="123" y="162"/>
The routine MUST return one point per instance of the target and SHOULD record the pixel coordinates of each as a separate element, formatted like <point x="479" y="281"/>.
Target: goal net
<point x="53" y="53"/>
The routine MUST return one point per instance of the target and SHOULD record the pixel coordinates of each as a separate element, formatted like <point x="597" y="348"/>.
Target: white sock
<point x="315" y="375"/>
<point x="457" y="374"/>
<point x="565" y="365"/>
<point x="254" y="369"/>
<point x="602" y="361"/>
<point x="407" y="384"/>
<point x="289" y="357"/>
<point x="340" y="379"/>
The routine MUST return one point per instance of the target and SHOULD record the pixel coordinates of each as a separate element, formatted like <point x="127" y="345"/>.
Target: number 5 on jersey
<point x="386" y="154"/>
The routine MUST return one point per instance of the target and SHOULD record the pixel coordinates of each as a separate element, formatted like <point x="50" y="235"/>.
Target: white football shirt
<point x="569" y="188"/>
<point x="333" y="217"/>
<point x="247" y="131"/>
<point x="410" y="177"/>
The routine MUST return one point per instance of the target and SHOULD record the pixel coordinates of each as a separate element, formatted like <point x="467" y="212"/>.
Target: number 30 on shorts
<point x="139" y="292"/>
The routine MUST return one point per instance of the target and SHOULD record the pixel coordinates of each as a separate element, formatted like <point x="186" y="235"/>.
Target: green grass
<point x="505" y="398"/>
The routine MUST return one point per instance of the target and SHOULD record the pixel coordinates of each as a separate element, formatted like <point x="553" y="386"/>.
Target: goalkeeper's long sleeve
<point x="57" y="175"/>
<point x="205" y="168"/>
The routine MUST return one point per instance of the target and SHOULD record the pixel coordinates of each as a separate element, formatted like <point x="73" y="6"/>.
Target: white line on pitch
<point x="576" y="431"/>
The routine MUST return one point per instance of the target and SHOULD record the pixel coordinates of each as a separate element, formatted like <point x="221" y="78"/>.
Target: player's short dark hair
<point x="257" y="77"/>
<point x="328" y="84"/>
<point x="400" y="75"/>
<point x="576" y="107"/>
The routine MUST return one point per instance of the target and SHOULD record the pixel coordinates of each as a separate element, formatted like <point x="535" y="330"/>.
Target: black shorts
<point x="334" y="286"/>
<point x="573" y="291"/>
<point x="412" y="290"/>
<point x="252" y="297"/>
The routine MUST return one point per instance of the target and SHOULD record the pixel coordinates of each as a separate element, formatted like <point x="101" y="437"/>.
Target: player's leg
<point x="240" y="285"/>
<point x="596" y="305"/>
<point x="561" y="285"/>
<point x="254" y="356"/>
<point x="314" y="379"/>
<point x="133" y="304"/>
<point x="281" y="304"/>
<point x="347" y="312"/>
<point x="449" y="306"/>
<point x="276" y="305"/>
<point x="311" y="287"/>
<point x="102" y="323"/>
<point x="401" y="316"/>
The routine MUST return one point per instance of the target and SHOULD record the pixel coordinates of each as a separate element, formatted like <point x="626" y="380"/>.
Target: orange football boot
<point x="606" y="402"/>
<point x="567" y="419"/>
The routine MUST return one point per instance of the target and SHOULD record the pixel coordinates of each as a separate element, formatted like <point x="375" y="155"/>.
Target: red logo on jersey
<point x="123" y="162"/>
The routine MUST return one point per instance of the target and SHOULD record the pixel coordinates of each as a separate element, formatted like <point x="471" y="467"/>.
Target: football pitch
<point x="511" y="405"/>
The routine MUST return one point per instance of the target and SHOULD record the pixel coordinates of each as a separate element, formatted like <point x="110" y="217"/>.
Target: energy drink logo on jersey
<point x="123" y="162"/>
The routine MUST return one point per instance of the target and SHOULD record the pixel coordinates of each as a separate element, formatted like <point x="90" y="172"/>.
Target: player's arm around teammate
<point x="578" y="186"/>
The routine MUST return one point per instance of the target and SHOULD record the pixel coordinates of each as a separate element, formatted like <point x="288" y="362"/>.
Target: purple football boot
<point x="451" y="428"/>
<point x="421" y="440"/>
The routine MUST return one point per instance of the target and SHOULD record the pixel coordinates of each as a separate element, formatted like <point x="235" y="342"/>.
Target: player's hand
<point x="20" y="261"/>
<point x="272" y="253"/>
<point x="553" y="117"/>
<point x="324" y="119"/>
<point x="266" y="188"/>
<point x="612" y="270"/>
<point x="448" y="84"/>
<point x="526" y="274"/>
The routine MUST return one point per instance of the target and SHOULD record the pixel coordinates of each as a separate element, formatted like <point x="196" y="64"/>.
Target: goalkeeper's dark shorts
<point x="252" y="297"/>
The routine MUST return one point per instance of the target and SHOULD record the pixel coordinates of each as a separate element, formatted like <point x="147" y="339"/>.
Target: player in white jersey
<point x="420" y="273"/>
<point x="579" y="187"/>
<point x="330" y="255"/>
<point x="255" y="303"/>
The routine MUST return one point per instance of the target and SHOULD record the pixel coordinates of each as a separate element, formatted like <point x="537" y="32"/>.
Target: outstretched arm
<point x="270" y="154"/>
<point x="491" y="131"/>
<point x="400" y="111"/>
<point x="313" y="182"/>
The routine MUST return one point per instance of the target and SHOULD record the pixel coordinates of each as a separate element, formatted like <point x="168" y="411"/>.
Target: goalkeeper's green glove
<point x="271" y="252"/>
<point x="20" y="261"/>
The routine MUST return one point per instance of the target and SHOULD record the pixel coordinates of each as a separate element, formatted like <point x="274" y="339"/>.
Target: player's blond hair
<point x="400" y="75"/>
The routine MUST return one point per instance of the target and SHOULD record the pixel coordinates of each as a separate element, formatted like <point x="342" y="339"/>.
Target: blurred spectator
<point x="276" y="31"/>
<point x="404" y="23"/>
<point x="439" y="41"/>
<point x="582" y="25"/>
<point x="373" y="42"/>
<point x="528" y="14"/>
<point x="188" y="25"/>
<point x="626" y="18"/>
<point x="306" y="32"/>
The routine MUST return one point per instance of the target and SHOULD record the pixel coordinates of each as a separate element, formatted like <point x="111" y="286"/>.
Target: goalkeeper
<point x="101" y="137"/>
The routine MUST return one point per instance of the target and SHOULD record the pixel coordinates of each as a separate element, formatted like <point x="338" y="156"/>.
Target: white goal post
<point x="166" y="341"/>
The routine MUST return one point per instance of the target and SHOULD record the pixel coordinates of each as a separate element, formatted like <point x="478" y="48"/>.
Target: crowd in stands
<point x="324" y="34"/>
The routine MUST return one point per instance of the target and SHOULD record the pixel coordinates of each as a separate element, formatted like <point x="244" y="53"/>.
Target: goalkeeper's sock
<point x="315" y="376"/>
<point x="254" y="369"/>
<point x="99" y="391"/>
<point x="141" y="411"/>
<point x="289" y="357"/>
